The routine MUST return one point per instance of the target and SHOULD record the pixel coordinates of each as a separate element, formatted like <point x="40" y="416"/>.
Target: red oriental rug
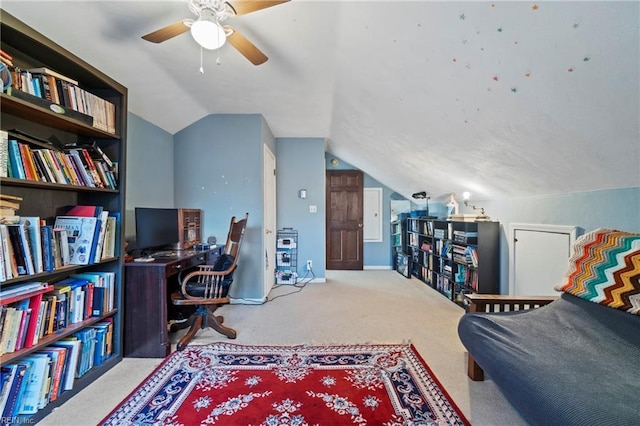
<point x="231" y="384"/>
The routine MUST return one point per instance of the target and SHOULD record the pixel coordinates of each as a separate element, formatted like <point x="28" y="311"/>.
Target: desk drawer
<point x="180" y="265"/>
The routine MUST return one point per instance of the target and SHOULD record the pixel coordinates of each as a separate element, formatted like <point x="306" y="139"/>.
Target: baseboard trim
<point x="243" y="301"/>
<point x="377" y="267"/>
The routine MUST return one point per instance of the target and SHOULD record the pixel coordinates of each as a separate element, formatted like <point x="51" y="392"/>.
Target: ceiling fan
<point x="208" y="31"/>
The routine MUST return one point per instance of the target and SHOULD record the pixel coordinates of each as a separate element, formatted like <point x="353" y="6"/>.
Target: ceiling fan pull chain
<point x="218" y="61"/>
<point x="201" y="68"/>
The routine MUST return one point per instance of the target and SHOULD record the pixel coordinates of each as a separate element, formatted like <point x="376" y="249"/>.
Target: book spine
<point x="41" y="167"/>
<point x="29" y="162"/>
<point x="90" y="166"/>
<point x="18" y="249"/>
<point x="17" y="167"/>
<point x="19" y="341"/>
<point x="4" y="154"/>
<point x="46" y="237"/>
<point x="34" y="304"/>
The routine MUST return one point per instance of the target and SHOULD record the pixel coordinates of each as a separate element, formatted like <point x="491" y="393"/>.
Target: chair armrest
<point x="505" y="302"/>
<point x="211" y="282"/>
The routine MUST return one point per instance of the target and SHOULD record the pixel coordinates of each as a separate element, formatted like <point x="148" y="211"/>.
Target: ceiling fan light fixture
<point x="208" y="34"/>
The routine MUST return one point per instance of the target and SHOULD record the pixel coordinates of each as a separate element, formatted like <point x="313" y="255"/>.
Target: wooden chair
<point x="207" y="288"/>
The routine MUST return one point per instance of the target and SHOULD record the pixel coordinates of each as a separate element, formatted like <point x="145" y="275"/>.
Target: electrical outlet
<point x="309" y="265"/>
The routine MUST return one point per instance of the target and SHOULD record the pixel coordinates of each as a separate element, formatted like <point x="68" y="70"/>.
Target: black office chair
<point x="207" y="288"/>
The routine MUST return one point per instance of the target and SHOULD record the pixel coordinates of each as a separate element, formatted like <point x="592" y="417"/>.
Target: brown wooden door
<point x="344" y="219"/>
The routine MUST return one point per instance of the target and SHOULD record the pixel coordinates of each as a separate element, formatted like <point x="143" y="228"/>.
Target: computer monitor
<point x="156" y="228"/>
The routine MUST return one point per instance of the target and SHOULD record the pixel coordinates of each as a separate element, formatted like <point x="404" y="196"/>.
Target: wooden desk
<point x="147" y="289"/>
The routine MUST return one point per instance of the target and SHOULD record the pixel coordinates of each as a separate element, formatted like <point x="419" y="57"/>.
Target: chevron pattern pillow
<point x="605" y="268"/>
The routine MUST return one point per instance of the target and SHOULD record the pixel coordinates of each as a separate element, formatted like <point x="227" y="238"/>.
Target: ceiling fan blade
<point x="170" y="31"/>
<point x="242" y="7"/>
<point x="244" y="46"/>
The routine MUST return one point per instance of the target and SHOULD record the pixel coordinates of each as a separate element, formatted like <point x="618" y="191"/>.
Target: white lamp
<point x="207" y="32"/>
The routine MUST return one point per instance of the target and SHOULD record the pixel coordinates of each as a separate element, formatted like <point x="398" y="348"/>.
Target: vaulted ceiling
<point x="503" y="99"/>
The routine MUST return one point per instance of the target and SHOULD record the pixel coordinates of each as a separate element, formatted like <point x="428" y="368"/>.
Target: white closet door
<point x="539" y="258"/>
<point x="372" y="220"/>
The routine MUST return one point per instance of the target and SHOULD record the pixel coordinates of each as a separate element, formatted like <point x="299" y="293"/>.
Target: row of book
<point x="30" y="246"/>
<point x="24" y="322"/>
<point x="466" y="255"/>
<point x="59" y="89"/>
<point x="72" y="165"/>
<point x="39" y="378"/>
<point x="465" y="237"/>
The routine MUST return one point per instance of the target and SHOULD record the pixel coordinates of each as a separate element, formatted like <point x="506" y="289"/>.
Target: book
<point x="35" y="379"/>
<point x="101" y="280"/>
<point x="16" y="390"/>
<point x="39" y="334"/>
<point x="8" y="323"/>
<point x="82" y="173"/>
<point x="58" y="358"/>
<point x="9" y="204"/>
<point x="99" y="241"/>
<point x="117" y="243"/>
<point x="7" y="374"/>
<point x="50" y="313"/>
<point x="84" y="157"/>
<point x="6" y="341"/>
<point x="46" y="384"/>
<point x="67" y="168"/>
<point x="73" y="353"/>
<point x="46" y="240"/>
<point x="15" y="160"/>
<point x="87" y="348"/>
<point x="81" y="231"/>
<point x="109" y="246"/>
<point x="27" y="161"/>
<point x="3" y="276"/>
<point x="83" y="210"/>
<point x="32" y="227"/>
<point x="10" y="266"/>
<point x="4" y="153"/>
<point x="32" y="331"/>
<point x="21" y="250"/>
<point x="50" y="72"/>
<point x="25" y="313"/>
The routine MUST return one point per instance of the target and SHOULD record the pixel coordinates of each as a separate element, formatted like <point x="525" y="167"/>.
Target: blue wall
<point x="300" y="165"/>
<point x="218" y="168"/>
<point x="150" y="169"/>
<point x="218" y="164"/>
<point x="614" y="208"/>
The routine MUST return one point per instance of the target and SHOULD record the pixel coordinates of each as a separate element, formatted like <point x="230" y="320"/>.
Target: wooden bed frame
<point x="499" y="303"/>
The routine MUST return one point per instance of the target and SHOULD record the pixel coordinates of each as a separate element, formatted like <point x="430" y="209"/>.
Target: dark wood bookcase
<point x="31" y="49"/>
<point x="399" y="257"/>
<point x="455" y="257"/>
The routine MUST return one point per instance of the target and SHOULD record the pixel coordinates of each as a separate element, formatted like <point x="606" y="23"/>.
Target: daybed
<point x="574" y="360"/>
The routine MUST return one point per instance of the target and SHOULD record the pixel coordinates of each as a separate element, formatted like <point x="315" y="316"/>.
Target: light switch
<point x="313" y="209"/>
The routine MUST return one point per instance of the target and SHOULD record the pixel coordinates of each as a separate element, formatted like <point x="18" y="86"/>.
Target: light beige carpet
<point x="350" y="307"/>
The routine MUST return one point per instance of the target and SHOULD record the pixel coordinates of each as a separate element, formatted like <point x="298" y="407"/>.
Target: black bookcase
<point x="51" y="128"/>
<point x="455" y="257"/>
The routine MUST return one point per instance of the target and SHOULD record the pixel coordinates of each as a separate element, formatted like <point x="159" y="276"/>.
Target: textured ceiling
<point x="503" y="99"/>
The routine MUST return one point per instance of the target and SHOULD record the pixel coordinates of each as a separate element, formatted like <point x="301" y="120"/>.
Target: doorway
<point x="344" y="219"/>
<point x="269" y="219"/>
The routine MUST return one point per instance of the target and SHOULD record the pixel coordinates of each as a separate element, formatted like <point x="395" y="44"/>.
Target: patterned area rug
<point x="231" y="384"/>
